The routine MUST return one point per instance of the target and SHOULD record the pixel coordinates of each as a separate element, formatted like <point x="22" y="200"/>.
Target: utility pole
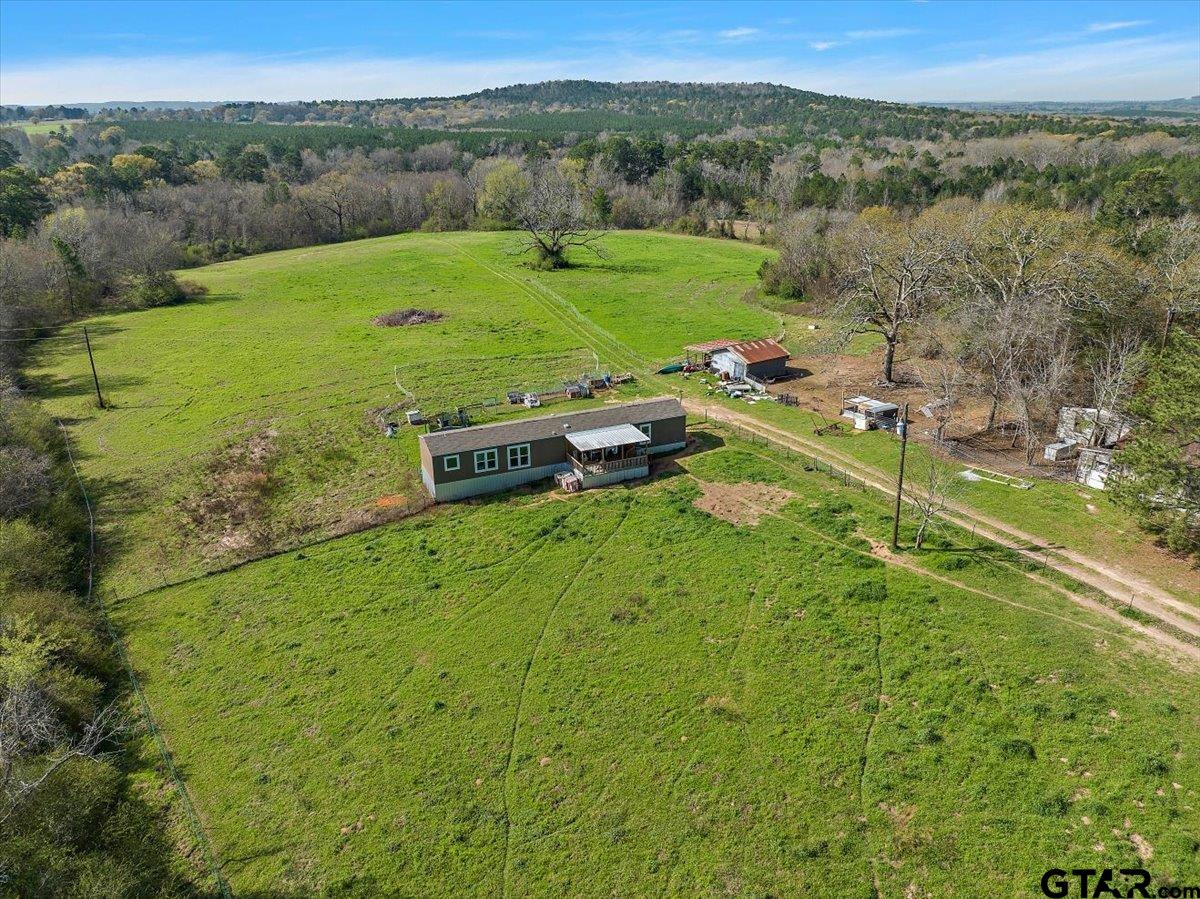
<point x="95" y="380"/>
<point x="902" y="427"/>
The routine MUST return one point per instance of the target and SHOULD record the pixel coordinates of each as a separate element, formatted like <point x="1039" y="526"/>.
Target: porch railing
<point x="586" y="468"/>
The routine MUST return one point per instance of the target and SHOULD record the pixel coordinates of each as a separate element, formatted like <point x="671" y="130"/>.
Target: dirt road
<point x="1120" y="585"/>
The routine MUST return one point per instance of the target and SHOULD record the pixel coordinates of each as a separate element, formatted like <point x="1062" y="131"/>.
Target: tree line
<point x="1028" y="310"/>
<point x="72" y="819"/>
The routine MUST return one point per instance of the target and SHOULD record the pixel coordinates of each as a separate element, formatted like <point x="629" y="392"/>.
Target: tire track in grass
<point x="574" y="329"/>
<point x="520" y="557"/>
<point x="687" y="766"/>
<point x="1115" y="583"/>
<point x="1154" y="638"/>
<point x="537" y="647"/>
<point x="570" y="318"/>
<point x="866" y="753"/>
<point x="571" y="310"/>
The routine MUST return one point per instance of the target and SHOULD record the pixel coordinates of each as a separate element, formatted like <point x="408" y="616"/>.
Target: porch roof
<point x="603" y="438"/>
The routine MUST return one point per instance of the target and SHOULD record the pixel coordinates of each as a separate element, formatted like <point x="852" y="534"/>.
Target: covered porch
<point x="607" y="455"/>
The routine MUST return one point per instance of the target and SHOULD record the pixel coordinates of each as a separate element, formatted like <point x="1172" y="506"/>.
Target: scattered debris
<point x="404" y="317"/>
<point x="996" y="477"/>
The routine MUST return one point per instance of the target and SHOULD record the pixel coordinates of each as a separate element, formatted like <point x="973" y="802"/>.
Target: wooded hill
<point x="661" y="106"/>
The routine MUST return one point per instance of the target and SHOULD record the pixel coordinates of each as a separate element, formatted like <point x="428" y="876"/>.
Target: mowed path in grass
<point x="282" y="355"/>
<point x="617" y="693"/>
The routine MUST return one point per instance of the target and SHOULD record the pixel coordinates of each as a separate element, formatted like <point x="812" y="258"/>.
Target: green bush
<point x="157" y="289"/>
<point x="31" y="557"/>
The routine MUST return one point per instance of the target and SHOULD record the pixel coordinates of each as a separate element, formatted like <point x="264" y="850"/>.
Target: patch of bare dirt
<point x="1144" y="850"/>
<point x="404" y="317"/>
<point x="742" y="504"/>
<point x="878" y="547"/>
<point x="228" y="513"/>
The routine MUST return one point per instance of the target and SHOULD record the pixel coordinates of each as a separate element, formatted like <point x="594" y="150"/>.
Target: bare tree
<point x="1020" y="272"/>
<point x="24" y="480"/>
<point x="1176" y="266"/>
<point x="34" y="740"/>
<point x="893" y="275"/>
<point x="1114" y="369"/>
<point x="945" y="384"/>
<point x="33" y="745"/>
<point x="329" y="199"/>
<point x="932" y="488"/>
<point x="554" y="218"/>
<point x="1034" y="389"/>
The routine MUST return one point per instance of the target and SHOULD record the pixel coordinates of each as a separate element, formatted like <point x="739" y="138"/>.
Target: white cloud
<point x="1151" y="67"/>
<point x="1097" y="27"/>
<point x="824" y="45"/>
<point x="874" y="33"/>
<point x="735" y="34"/>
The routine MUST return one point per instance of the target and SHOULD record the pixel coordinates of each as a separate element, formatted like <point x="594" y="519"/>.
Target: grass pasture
<point x="611" y="693"/>
<point x="280" y="363"/>
<point x="617" y="693"/>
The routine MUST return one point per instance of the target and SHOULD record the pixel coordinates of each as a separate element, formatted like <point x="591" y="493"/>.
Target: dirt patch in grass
<point x="1144" y="850"/>
<point x="878" y="547"/>
<point x="743" y="503"/>
<point x="228" y="513"/>
<point x="403" y="317"/>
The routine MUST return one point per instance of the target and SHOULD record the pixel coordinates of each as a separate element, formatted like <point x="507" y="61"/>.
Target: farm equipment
<point x="581" y="388"/>
<point x="832" y="428"/>
<point x="460" y="417"/>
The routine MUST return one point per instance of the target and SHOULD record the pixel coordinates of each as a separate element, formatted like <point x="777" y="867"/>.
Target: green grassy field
<point x="621" y="694"/>
<point x="616" y="693"/>
<point x="45" y="127"/>
<point x="281" y="361"/>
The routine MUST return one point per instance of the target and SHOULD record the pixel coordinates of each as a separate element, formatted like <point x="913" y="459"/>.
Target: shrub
<point x="157" y="289"/>
<point x="1018" y="749"/>
<point x="30" y="557"/>
<point x="867" y="591"/>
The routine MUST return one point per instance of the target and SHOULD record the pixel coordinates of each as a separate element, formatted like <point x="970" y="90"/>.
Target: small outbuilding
<point x="867" y="413"/>
<point x="756" y="360"/>
<point x="1093" y="435"/>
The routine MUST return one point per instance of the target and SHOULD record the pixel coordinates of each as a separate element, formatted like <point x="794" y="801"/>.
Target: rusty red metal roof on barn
<point x="764" y="350"/>
<point x="710" y="345"/>
<point x="751" y="351"/>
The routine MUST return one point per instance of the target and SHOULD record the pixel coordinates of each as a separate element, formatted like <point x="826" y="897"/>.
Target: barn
<point x="600" y="446"/>
<point x="758" y="360"/>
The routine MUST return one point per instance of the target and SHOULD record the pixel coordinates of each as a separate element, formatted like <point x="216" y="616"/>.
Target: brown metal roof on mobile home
<point x="462" y="440"/>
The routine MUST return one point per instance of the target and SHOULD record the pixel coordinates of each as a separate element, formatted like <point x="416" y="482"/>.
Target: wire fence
<point x="808" y="462"/>
<point x="168" y="761"/>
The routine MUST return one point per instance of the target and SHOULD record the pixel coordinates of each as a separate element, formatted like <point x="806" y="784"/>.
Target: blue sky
<point x="54" y="52"/>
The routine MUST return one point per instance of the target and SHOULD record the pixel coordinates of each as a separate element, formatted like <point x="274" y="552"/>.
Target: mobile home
<point x="600" y="446"/>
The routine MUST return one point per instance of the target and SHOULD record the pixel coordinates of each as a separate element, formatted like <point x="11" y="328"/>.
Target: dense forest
<point x="1038" y="258"/>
